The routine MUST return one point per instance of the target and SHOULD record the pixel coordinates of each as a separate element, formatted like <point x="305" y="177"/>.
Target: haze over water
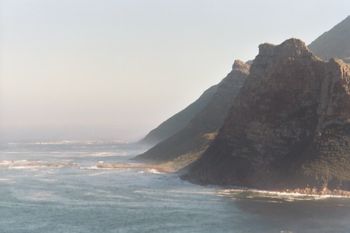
<point x="86" y="70"/>
<point x="56" y="187"/>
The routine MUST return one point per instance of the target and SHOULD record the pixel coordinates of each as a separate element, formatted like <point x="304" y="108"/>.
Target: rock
<point x="289" y="126"/>
<point x="200" y="131"/>
<point x="177" y="122"/>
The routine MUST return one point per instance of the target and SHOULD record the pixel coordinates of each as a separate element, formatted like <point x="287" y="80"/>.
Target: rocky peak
<point x="289" y="48"/>
<point x="240" y="66"/>
<point x="200" y="131"/>
<point x="289" y="126"/>
<point x="271" y="56"/>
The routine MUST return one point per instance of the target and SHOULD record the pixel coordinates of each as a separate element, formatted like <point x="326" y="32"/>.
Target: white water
<point x="56" y="187"/>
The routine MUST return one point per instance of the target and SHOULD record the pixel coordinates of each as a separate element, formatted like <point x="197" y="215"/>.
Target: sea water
<point x="56" y="187"/>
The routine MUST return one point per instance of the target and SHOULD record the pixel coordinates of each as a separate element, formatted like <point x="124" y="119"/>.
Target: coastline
<point x="158" y="168"/>
<point x="296" y="193"/>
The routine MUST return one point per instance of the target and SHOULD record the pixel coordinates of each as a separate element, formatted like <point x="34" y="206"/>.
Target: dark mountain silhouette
<point x="177" y="122"/>
<point x="196" y="136"/>
<point x="289" y="125"/>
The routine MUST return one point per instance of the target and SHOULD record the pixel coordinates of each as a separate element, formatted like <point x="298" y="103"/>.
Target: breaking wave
<point x="108" y="154"/>
<point x="273" y="195"/>
<point x="69" y="142"/>
<point x="25" y="164"/>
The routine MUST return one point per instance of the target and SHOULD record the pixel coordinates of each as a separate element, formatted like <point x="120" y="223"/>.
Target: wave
<point x="276" y="195"/>
<point x="34" y="164"/>
<point x="70" y="142"/>
<point x="15" y="152"/>
<point x="90" y="168"/>
<point x="108" y="154"/>
<point x="7" y="181"/>
<point x="154" y="171"/>
<point x="37" y="196"/>
<point x="141" y="168"/>
<point x="149" y="168"/>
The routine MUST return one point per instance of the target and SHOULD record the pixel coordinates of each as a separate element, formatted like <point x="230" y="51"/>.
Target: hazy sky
<point x="114" y="69"/>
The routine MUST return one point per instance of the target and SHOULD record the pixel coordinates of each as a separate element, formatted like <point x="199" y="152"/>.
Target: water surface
<point x="55" y="187"/>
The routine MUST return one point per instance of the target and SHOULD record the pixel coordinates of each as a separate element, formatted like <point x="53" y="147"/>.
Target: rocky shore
<point x="289" y="126"/>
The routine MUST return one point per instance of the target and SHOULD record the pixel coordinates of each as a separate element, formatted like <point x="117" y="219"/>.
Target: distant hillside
<point x="177" y="122"/>
<point x="201" y="130"/>
<point x="289" y="126"/>
<point x="334" y="43"/>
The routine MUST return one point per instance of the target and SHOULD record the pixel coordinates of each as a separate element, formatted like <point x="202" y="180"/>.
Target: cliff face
<point x="289" y="125"/>
<point x="196" y="136"/>
<point x="177" y="122"/>
<point x="334" y="43"/>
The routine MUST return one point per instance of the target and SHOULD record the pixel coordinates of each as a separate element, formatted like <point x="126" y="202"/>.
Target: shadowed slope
<point x="177" y="122"/>
<point x="334" y="43"/>
<point x="196" y="136"/>
<point x="289" y="125"/>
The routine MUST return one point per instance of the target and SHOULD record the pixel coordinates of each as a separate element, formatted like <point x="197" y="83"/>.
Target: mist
<point x="115" y="70"/>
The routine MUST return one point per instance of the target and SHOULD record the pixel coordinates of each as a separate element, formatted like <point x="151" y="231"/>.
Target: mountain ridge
<point x="294" y="128"/>
<point x="201" y="129"/>
<point x="179" y="120"/>
<point x="334" y="43"/>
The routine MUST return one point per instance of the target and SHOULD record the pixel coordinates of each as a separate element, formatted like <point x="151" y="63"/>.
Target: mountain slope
<point x="289" y="126"/>
<point x="179" y="120"/>
<point x="334" y="43"/>
<point x="202" y="128"/>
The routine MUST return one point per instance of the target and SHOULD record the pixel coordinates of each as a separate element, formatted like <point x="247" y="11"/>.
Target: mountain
<point x="179" y="120"/>
<point x="289" y="126"/>
<point x="201" y="130"/>
<point x="334" y="43"/>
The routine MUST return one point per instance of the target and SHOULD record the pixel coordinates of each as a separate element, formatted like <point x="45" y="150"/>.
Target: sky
<point x="115" y="69"/>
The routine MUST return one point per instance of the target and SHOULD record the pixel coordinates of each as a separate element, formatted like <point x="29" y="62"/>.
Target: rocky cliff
<point x="289" y="125"/>
<point x="177" y="122"/>
<point x="334" y="43"/>
<point x="196" y="136"/>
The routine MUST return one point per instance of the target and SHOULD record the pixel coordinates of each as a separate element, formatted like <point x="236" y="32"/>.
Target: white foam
<point x="209" y="192"/>
<point x="41" y="196"/>
<point x="154" y="171"/>
<point x="63" y="142"/>
<point x="70" y="142"/>
<point x="107" y="154"/>
<point x="15" y="152"/>
<point x="90" y="168"/>
<point x="286" y="196"/>
<point x="6" y="180"/>
<point x="34" y="164"/>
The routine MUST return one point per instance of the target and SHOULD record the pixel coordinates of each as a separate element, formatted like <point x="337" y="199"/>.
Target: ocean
<point x="56" y="187"/>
